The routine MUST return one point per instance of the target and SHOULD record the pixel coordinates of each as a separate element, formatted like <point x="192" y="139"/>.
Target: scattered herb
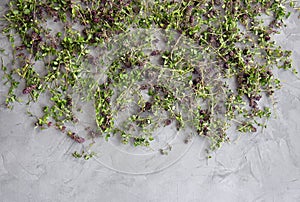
<point x="233" y="45"/>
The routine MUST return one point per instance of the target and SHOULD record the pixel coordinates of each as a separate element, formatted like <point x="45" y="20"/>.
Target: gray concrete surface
<point x="37" y="166"/>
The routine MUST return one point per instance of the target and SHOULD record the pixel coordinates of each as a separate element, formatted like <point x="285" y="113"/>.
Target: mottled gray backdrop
<point x="38" y="166"/>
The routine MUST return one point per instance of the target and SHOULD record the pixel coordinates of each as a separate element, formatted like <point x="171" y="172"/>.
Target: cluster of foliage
<point x="219" y="81"/>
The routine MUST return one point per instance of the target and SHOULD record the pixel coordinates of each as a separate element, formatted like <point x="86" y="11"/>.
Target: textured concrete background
<point x="38" y="166"/>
